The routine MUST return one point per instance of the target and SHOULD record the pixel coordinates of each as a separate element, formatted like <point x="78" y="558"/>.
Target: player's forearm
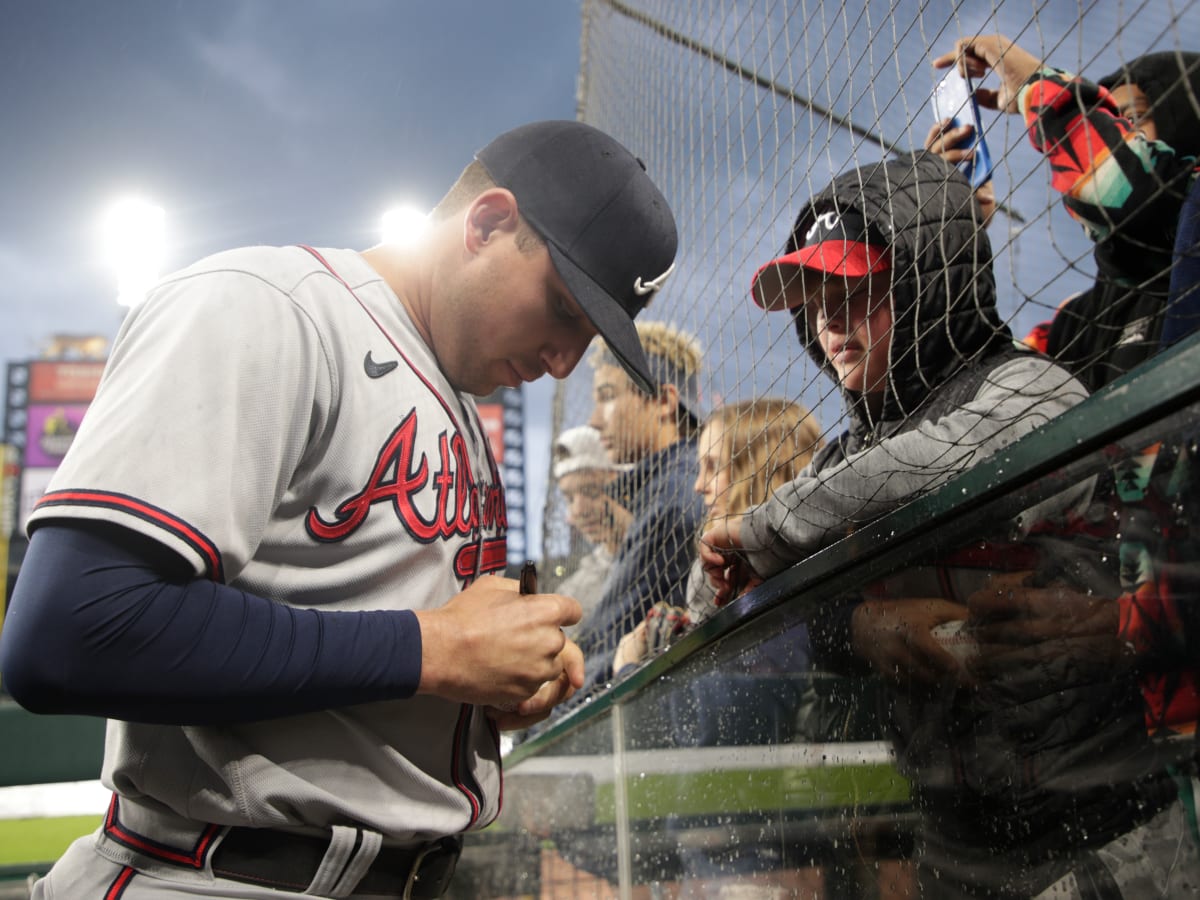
<point x="94" y="628"/>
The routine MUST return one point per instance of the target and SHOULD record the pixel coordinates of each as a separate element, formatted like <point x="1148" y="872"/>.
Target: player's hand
<point x="975" y="56"/>
<point x="895" y="637"/>
<point x="533" y="710"/>
<point x="492" y="646"/>
<point x="724" y="565"/>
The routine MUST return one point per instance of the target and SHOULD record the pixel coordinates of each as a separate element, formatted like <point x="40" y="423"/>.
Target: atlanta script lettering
<point x="401" y="476"/>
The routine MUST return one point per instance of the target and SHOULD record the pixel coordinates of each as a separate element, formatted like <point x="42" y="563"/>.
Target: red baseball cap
<point x="836" y="243"/>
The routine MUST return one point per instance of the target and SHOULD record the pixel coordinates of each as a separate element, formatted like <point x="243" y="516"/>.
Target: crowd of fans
<point x="1041" y="686"/>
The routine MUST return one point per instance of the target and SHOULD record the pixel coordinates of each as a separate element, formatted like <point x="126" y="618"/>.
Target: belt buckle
<point x="438" y="859"/>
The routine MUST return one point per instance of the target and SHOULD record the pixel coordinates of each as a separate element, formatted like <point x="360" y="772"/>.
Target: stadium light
<point x="403" y="225"/>
<point x="133" y="241"/>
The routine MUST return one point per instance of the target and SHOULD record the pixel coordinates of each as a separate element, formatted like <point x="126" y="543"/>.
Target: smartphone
<point x="954" y="99"/>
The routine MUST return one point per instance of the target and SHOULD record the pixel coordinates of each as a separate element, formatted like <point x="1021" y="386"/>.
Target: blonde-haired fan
<point x="746" y="451"/>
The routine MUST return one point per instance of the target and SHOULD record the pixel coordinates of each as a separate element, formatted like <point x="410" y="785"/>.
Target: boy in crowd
<point x="656" y="436"/>
<point x="889" y="281"/>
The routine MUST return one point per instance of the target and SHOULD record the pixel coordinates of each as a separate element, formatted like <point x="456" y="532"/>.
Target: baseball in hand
<point x="954" y="638"/>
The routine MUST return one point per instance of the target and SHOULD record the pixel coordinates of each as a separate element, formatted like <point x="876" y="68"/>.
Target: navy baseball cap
<point x="610" y="233"/>
<point x="833" y="243"/>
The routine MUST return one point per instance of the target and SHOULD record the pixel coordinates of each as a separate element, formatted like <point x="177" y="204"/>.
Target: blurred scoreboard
<point x="45" y="402"/>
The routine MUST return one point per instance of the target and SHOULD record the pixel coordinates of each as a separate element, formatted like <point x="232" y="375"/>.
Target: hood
<point x="943" y="291"/>
<point x="1171" y="81"/>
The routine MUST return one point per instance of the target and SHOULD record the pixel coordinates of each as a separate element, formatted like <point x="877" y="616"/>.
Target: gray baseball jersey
<point x="290" y="434"/>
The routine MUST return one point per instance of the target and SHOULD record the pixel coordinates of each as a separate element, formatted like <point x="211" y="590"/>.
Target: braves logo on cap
<point x="827" y="221"/>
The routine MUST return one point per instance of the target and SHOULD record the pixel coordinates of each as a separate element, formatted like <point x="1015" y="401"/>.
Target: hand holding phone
<point x="954" y="99"/>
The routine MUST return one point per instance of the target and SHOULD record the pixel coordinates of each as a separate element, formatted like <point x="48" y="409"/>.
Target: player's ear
<point x="492" y="212"/>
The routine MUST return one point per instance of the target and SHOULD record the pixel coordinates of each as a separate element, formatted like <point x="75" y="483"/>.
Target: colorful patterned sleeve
<point x="1159" y="612"/>
<point x="1109" y="174"/>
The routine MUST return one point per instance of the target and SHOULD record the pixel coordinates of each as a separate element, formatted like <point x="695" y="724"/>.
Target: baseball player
<point x="266" y="558"/>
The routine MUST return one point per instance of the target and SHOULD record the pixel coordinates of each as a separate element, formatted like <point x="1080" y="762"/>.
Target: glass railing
<point x="769" y="753"/>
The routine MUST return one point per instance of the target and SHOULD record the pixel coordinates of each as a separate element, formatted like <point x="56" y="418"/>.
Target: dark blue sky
<point x="285" y="121"/>
<point x="249" y="121"/>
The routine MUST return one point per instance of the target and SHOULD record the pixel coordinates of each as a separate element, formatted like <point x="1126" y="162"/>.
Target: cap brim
<point x="770" y="287"/>
<point x="609" y="317"/>
<point x="850" y="259"/>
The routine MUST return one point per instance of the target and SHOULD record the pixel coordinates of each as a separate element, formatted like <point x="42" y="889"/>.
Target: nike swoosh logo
<point x="377" y="369"/>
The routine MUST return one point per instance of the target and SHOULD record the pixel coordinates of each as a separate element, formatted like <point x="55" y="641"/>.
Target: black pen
<point x="528" y="578"/>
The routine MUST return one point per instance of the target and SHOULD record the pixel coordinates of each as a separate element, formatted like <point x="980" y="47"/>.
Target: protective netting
<point x="745" y="109"/>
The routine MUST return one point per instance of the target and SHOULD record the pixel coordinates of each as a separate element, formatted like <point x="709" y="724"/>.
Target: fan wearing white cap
<point x="584" y="474"/>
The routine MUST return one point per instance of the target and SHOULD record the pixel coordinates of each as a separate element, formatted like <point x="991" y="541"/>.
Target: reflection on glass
<point x="1039" y="736"/>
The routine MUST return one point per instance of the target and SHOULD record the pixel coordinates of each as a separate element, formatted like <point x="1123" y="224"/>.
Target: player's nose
<point x="561" y="359"/>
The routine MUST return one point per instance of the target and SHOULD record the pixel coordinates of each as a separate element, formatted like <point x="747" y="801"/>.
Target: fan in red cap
<point x="835" y="243"/>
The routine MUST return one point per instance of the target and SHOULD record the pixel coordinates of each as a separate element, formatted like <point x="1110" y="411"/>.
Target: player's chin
<point x="504" y="374"/>
<point x="480" y="384"/>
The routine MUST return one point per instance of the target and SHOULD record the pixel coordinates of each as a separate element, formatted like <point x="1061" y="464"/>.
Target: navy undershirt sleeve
<point x="106" y="622"/>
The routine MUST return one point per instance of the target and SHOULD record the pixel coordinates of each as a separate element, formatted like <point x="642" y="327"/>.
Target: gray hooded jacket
<point x="958" y="388"/>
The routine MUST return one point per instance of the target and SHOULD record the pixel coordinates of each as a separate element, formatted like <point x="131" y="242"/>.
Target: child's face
<point x="587" y="502"/>
<point x="853" y="319"/>
<point x="712" y="482"/>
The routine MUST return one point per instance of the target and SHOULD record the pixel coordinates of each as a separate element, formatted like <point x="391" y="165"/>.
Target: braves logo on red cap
<point x="826" y="220"/>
